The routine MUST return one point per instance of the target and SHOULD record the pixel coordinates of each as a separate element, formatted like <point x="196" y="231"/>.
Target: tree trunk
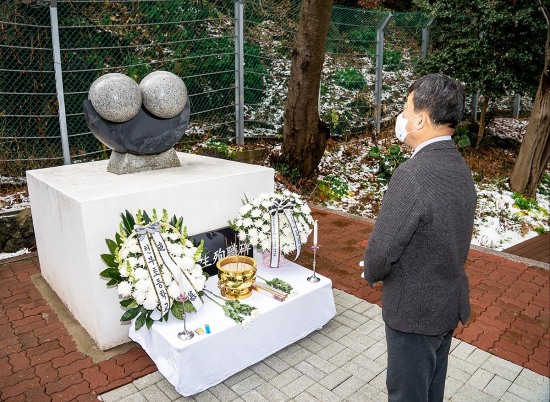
<point x="534" y="153"/>
<point x="305" y="135"/>
<point x="482" y="115"/>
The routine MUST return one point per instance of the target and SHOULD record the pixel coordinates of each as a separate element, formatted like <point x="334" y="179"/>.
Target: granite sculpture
<point x="143" y="139"/>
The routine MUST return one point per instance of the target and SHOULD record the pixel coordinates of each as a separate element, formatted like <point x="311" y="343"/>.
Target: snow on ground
<point x="10" y="255"/>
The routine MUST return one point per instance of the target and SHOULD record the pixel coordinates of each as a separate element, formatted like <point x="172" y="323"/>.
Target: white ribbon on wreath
<point x="285" y="207"/>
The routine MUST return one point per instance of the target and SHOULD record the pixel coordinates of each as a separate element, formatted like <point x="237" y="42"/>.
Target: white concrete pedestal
<point x="76" y="207"/>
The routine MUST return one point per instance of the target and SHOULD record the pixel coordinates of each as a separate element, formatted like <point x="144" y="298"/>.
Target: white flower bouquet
<point x="145" y="286"/>
<point x="256" y="218"/>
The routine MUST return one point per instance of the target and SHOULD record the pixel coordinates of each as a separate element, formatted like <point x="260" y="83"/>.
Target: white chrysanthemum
<point x="167" y="277"/>
<point x="255" y="202"/>
<point x="124" y="289"/>
<point x="266" y="228"/>
<point x="247" y="222"/>
<point x="258" y="223"/>
<point x="265" y="196"/>
<point x="174" y="290"/>
<point x="266" y="204"/>
<point x="305" y="209"/>
<point x="189" y="243"/>
<point x="245" y="209"/>
<point x="190" y="252"/>
<point x="174" y="236"/>
<point x="188" y="263"/>
<point x="175" y="248"/>
<point x="198" y="282"/>
<point x="123" y="253"/>
<point x="266" y="217"/>
<point x="132" y="261"/>
<point x="123" y="270"/>
<point x="139" y="296"/>
<point x="134" y="249"/>
<point x="142" y="285"/>
<point x="242" y="235"/>
<point x="265" y="245"/>
<point x="140" y="273"/>
<point x="140" y="261"/>
<point x="178" y="261"/>
<point x="239" y="223"/>
<point x="256" y="213"/>
<point x="151" y="301"/>
<point x="196" y="272"/>
<point x="253" y="240"/>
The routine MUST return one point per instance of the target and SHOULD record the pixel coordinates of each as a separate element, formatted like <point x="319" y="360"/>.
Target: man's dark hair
<point x="441" y="96"/>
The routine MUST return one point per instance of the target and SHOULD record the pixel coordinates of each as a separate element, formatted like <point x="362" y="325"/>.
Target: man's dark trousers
<point x="417" y="366"/>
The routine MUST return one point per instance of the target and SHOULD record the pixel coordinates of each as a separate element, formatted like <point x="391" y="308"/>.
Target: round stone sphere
<point x="115" y="97"/>
<point x="164" y="94"/>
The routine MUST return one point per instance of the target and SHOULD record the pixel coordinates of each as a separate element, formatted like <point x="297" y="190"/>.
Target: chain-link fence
<point x="234" y="57"/>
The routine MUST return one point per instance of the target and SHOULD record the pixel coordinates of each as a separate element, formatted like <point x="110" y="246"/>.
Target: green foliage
<point x="350" y="78"/>
<point x="220" y="146"/>
<point x="544" y="186"/>
<point x="495" y="47"/>
<point x="333" y="187"/>
<point x="280" y="284"/>
<point x="540" y="230"/>
<point x="462" y="137"/>
<point x="291" y="173"/>
<point x="525" y="203"/>
<point x="388" y="161"/>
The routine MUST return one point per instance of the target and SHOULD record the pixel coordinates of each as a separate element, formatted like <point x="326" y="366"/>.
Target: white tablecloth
<point x="206" y="360"/>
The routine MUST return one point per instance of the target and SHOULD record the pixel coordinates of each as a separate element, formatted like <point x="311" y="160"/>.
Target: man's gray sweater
<point x="420" y="242"/>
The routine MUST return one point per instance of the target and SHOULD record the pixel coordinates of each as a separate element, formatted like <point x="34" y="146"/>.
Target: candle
<point x="315" y="233"/>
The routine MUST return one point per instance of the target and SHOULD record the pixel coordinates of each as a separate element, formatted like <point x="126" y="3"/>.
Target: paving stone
<point x="349" y="342"/>
<point x="360" y="318"/>
<point x="254" y="396"/>
<point x="530" y="380"/>
<point x="335" y="378"/>
<point x="497" y="387"/>
<point x="271" y="393"/>
<point x="298" y="386"/>
<point x="322" y="394"/>
<point x="312" y="372"/>
<point x="247" y="384"/>
<point x="454" y="343"/>
<point x="285" y="378"/>
<point x="154" y="394"/>
<point x="344" y="356"/>
<point x="339" y="332"/>
<point x="382" y="359"/>
<point x="223" y="392"/>
<point x="471" y="395"/>
<point x="361" y="307"/>
<point x="463" y="365"/>
<point x="346" y="300"/>
<point x="238" y="377"/>
<point x="305" y="397"/>
<point x="148" y="380"/>
<point x="324" y="365"/>
<point x="365" y="373"/>
<point x="525" y="394"/>
<point x="340" y="309"/>
<point x="478" y="357"/>
<point x="289" y="350"/>
<point x="376" y="350"/>
<point x="368" y="364"/>
<point x="298" y="356"/>
<point x="455" y="372"/>
<point x="264" y="371"/>
<point x="310" y="344"/>
<point x="206" y="396"/>
<point x="509" y="397"/>
<point x="320" y="338"/>
<point x="349" y="387"/>
<point x="331" y="350"/>
<point x="168" y="389"/>
<point x="369" y="394"/>
<point x="378" y="334"/>
<point x="276" y="363"/>
<point x="502" y="368"/>
<point x="463" y="350"/>
<point x="119" y="393"/>
<point x="368" y="327"/>
<point x="452" y="385"/>
<point x="349" y="322"/>
<point x="134" y="398"/>
<point x="379" y="382"/>
<point x="374" y="312"/>
<point x="480" y="379"/>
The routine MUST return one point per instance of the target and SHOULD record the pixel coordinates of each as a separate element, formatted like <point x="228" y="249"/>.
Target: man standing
<point x="420" y="242"/>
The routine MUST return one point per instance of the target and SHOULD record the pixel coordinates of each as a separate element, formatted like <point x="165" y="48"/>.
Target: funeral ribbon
<point x="189" y="291"/>
<point x="284" y="207"/>
<point x="151" y="262"/>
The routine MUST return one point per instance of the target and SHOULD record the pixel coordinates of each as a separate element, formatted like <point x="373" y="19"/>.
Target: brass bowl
<point x="236" y="275"/>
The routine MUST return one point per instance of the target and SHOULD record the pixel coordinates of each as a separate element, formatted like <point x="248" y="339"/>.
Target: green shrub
<point x="220" y="147"/>
<point x="387" y="161"/>
<point x="350" y="78"/>
<point x="333" y="187"/>
<point x="524" y="203"/>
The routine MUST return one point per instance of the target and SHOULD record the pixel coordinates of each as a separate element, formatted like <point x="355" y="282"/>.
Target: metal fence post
<point x="59" y="82"/>
<point x="239" y="71"/>
<point x="517" y="105"/>
<point x="426" y="38"/>
<point x="379" y="69"/>
<point x="475" y="102"/>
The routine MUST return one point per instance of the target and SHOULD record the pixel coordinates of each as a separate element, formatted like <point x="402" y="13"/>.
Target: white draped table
<point x="206" y="360"/>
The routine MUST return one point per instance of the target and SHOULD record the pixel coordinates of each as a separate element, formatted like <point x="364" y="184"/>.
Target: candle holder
<point x="314" y="278"/>
<point x="185" y="335"/>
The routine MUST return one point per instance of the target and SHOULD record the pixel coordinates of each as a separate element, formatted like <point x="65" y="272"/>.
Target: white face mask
<point x="400" y="127"/>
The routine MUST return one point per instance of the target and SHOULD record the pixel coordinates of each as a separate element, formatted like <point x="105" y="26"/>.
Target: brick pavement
<point x="39" y="361"/>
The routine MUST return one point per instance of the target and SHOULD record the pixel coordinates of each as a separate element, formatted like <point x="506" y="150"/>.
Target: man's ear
<point x="422" y="121"/>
